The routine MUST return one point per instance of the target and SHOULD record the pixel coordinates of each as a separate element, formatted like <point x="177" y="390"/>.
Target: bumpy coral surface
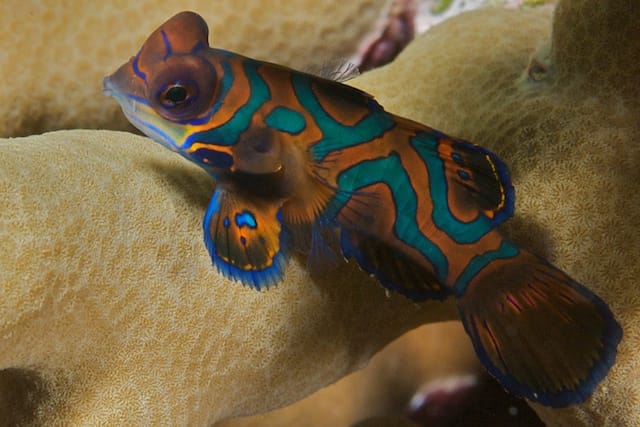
<point x="112" y="314"/>
<point x="385" y="387"/>
<point x="561" y="109"/>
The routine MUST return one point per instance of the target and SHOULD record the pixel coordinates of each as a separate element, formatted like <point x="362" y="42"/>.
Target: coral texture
<point x="561" y="108"/>
<point x="111" y="313"/>
<point x="70" y="45"/>
<point x="567" y="126"/>
<point x="385" y="387"/>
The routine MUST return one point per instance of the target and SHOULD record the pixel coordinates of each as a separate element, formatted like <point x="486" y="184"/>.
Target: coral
<point x="111" y="313"/>
<point x="567" y="126"/>
<point x="68" y="46"/>
<point x="561" y="109"/>
<point x="385" y="387"/>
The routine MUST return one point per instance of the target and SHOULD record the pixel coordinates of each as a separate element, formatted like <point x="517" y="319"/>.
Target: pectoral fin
<point x="245" y="238"/>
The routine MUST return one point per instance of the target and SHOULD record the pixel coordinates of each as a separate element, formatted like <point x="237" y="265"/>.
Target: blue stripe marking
<point x="136" y="69"/>
<point x="389" y="171"/>
<point x="228" y="133"/>
<point x="153" y="131"/>
<point x="336" y="135"/>
<point x="214" y="158"/>
<point x="478" y="262"/>
<point x="198" y="46"/>
<point x="462" y="232"/>
<point x="167" y="45"/>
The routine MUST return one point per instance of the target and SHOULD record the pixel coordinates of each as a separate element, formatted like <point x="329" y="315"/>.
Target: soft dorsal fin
<point x="340" y="70"/>
<point x="469" y="185"/>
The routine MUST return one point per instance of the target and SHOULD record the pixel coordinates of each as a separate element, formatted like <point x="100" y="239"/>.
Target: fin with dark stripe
<point x="392" y="268"/>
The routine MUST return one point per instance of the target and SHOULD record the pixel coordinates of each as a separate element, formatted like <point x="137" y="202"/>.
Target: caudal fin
<point x="542" y="335"/>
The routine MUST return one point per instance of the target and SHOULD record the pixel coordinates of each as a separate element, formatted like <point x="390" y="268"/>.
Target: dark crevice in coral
<point x="22" y="393"/>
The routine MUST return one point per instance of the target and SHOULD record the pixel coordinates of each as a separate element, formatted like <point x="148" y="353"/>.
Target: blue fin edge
<point x="256" y="279"/>
<point x="350" y="251"/>
<point x="611" y="337"/>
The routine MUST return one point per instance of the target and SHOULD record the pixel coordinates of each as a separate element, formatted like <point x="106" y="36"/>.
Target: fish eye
<point x="182" y="88"/>
<point x="177" y="94"/>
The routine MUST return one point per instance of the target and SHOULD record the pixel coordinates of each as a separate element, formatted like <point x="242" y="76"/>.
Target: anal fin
<point x="391" y="267"/>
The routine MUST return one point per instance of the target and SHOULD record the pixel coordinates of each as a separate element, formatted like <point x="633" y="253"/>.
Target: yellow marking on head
<point x="221" y="148"/>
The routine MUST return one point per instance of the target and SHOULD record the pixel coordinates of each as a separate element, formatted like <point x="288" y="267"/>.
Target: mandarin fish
<point x="414" y="207"/>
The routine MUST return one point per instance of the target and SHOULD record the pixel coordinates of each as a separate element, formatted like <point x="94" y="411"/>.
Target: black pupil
<point x="175" y="95"/>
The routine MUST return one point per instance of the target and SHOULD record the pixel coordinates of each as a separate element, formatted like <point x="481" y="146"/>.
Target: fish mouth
<point x="141" y="115"/>
<point x="107" y="86"/>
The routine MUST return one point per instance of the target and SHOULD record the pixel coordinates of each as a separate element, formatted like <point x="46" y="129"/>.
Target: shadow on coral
<point x="22" y="393"/>
<point x="195" y="188"/>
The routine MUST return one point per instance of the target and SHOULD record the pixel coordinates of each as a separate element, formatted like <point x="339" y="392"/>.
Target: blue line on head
<point x="137" y="70"/>
<point x="167" y="45"/>
<point x="198" y="46"/>
<point x="151" y="128"/>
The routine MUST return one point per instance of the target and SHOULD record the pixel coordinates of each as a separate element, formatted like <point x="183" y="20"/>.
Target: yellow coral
<point x="112" y="314"/>
<point x="111" y="308"/>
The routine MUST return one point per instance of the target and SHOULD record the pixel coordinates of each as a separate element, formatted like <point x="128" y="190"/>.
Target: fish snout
<point x="124" y="82"/>
<point x="107" y="86"/>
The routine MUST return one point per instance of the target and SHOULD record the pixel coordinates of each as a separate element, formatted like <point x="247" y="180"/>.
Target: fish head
<point x="170" y="90"/>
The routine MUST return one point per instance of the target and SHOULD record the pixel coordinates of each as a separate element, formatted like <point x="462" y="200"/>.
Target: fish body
<point x="416" y="208"/>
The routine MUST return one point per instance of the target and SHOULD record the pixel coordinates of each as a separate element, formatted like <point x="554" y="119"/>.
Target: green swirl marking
<point x="286" y="120"/>
<point x="229" y="132"/>
<point x="477" y="263"/>
<point x="462" y="232"/>
<point x="337" y="136"/>
<point x="405" y="228"/>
